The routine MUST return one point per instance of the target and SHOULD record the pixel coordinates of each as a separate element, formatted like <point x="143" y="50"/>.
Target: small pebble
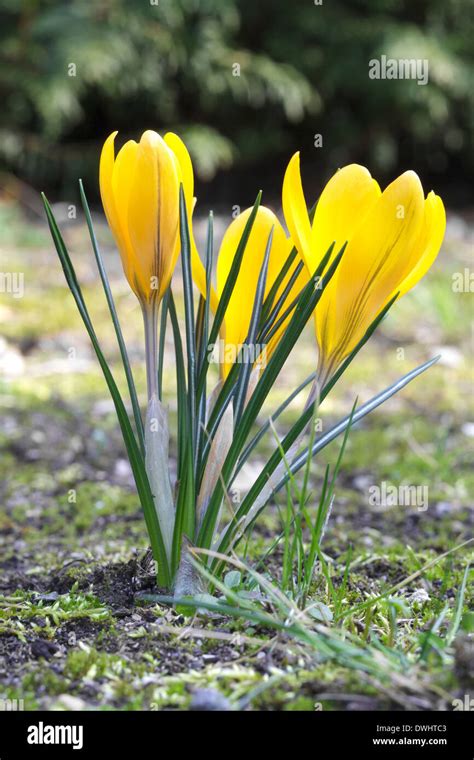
<point x="209" y="700"/>
<point x="69" y="702"/>
<point x="420" y="596"/>
<point x="43" y="648"/>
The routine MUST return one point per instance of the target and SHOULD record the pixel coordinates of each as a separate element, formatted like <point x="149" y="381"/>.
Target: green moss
<point x="91" y="664"/>
<point x="20" y="611"/>
<point x="43" y="681"/>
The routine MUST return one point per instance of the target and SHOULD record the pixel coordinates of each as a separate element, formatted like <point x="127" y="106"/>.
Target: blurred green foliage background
<point x="71" y="71"/>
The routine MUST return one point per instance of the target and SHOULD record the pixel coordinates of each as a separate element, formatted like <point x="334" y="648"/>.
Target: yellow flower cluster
<point x="392" y="239"/>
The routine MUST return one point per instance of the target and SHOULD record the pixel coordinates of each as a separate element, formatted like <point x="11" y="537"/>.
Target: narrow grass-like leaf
<point x="456" y="621"/>
<point x="322" y="516"/>
<point x="315" y="543"/>
<point x="272" y="329"/>
<point x="228" y="388"/>
<point x="304" y="309"/>
<point x="428" y="638"/>
<point x="365" y="409"/>
<point x="133" y="450"/>
<point x="199" y="328"/>
<point x="326" y="505"/>
<point x="113" y="313"/>
<point x="180" y="383"/>
<point x="202" y="399"/>
<point x="162" y="340"/>
<point x="189" y="316"/>
<point x="227" y="292"/>
<point x="309" y="558"/>
<point x="207" y="305"/>
<point x="258" y="436"/>
<point x="323" y="441"/>
<point x="243" y="381"/>
<point x="268" y="304"/>
<point x="201" y="402"/>
<point x="329" y="385"/>
<point x="185" y="507"/>
<point x="267" y="325"/>
<point x="186" y="497"/>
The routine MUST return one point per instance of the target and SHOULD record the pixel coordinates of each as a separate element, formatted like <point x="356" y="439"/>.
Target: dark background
<point x="303" y="70"/>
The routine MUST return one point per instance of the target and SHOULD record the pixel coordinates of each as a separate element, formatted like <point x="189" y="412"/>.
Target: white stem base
<point x="157" y="467"/>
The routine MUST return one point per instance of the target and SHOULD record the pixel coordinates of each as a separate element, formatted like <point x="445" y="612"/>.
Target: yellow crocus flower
<point x="140" y="194"/>
<point x="239" y="310"/>
<point x="392" y="237"/>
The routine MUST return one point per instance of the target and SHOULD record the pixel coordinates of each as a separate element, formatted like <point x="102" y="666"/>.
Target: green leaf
<point x="319" y="612"/>
<point x="186" y="497"/>
<point x="268" y="303"/>
<point x="456" y="621"/>
<point x="202" y="399"/>
<point x="329" y="385"/>
<point x="189" y="317"/>
<point x="233" y="579"/>
<point x="185" y="507"/>
<point x="244" y="376"/>
<point x="365" y="409"/>
<point x="281" y="300"/>
<point x="324" y="440"/>
<point x="162" y="338"/>
<point x="307" y="303"/>
<point x="224" y="398"/>
<point x="258" y="436"/>
<point x="227" y="292"/>
<point x="113" y="313"/>
<point x="180" y="384"/>
<point x="272" y="329"/>
<point x="207" y="306"/>
<point x="133" y="450"/>
<point x="199" y="328"/>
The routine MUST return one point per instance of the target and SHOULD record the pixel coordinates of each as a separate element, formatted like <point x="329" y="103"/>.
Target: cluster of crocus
<point x="345" y="262"/>
<point x="392" y="237"/>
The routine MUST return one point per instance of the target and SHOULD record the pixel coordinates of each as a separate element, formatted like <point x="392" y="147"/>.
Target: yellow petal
<point x="122" y="178"/>
<point x="115" y="190"/>
<point x="434" y="227"/>
<point x="296" y="212"/>
<point x="153" y="214"/>
<point x="342" y="206"/>
<point x="106" y="168"/>
<point x="177" y="146"/>
<point x="380" y="254"/>
<point x="239" y="310"/>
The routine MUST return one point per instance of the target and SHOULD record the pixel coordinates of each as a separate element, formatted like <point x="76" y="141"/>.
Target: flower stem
<point x="150" y="322"/>
<point x="156" y="434"/>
